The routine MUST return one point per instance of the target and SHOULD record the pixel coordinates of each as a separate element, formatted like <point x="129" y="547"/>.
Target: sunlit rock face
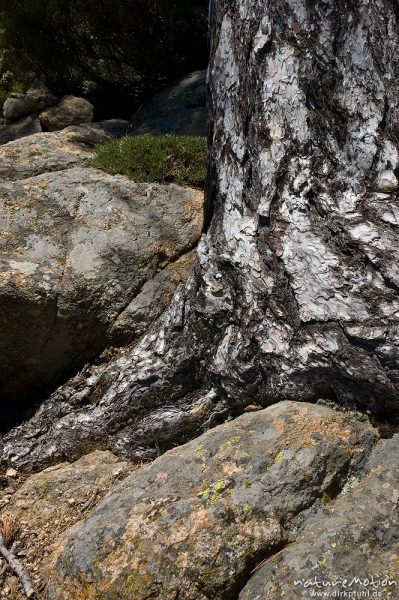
<point x="197" y="521"/>
<point x="87" y="260"/>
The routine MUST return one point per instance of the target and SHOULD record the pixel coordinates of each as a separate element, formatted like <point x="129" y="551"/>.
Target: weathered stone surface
<point x="55" y="151"/>
<point x="194" y="523"/>
<point x="22" y="128"/>
<point x="76" y="247"/>
<point x="354" y="537"/>
<point x="15" y="107"/>
<point x="39" y="97"/>
<point x="52" y="501"/>
<point x="149" y="303"/>
<point x="69" y="111"/>
<point x="178" y="110"/>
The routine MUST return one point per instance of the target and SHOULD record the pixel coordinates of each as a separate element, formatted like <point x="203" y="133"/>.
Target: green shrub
<point x="160" y="159"/>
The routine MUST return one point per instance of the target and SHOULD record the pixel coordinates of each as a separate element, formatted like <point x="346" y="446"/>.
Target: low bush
<point x="160" y="159"/>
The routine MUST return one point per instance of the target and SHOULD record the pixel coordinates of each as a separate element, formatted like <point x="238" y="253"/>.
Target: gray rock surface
<point x="154" y="295"/>
<point x="15" y="107"/>
<point x="348" y="542"/>
<point x="76" y="247"/>
<point x="71" y="110"/>
<point x="178" y="110"/>
<point x="193" y="524"/>
<point x="49" y="503"/>
<point x="54" y="151"/>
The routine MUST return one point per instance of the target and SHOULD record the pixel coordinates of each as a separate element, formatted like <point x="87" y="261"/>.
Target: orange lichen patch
<point x="230" y="467"/>
<point x="12" y="275"/>
<point x="43" y="183"/>
<point x="71" y="148"/>
<point x="278" y="425"/>
<point x="193" y="205"/>
<point x="302" y="432"/>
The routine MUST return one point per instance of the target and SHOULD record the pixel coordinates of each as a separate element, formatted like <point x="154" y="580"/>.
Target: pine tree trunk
<point x="295" y="294"/>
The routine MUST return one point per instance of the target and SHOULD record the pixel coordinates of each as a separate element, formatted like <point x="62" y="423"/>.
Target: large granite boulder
<point x="37" y="98"/>
<point x="77" y="246"/>
<point x="350" y="547"/>
<point x="195" y="523"/>
<point x="178" y="110"/>
<point x="71" y="110"/>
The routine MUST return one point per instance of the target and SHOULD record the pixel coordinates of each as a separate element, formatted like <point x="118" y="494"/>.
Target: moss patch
<point x="159" y="159"/>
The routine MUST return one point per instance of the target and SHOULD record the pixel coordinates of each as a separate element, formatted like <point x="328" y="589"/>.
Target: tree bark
<point x="295" y="293"/>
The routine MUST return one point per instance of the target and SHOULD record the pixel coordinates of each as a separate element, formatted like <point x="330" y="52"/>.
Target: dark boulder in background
<point x="179" y="110"/>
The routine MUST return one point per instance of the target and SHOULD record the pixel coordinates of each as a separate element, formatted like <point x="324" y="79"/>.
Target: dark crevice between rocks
<point x="387" y="427"/>
<point x="105" y="347"/>
<point x="252" y="566"/>
<point x="122" y="341"/>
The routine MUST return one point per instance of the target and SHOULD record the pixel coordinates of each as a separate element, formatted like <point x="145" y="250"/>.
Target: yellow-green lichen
<point x="200" y="451"/>
<point x="212" y="494"/>
<point x="218" y="485"/>
<point x="152" y="518"/>
<point x="231" y="442"/>
<point x="246" y="509"/>
<point x="134" y="585"/>
<point x="200" y="455"/>
<point x="203" y="492"/>
<point x="277" y="459"/>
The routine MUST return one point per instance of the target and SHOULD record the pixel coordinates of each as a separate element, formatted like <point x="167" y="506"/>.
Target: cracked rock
<point x="196" y="521"/>
<point x="348" y="542"/>
<point x="76" y="248"/>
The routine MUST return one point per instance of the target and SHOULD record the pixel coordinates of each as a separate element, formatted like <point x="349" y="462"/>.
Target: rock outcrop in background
<point x="40" y="110"/>
<point x="179" y="110"/>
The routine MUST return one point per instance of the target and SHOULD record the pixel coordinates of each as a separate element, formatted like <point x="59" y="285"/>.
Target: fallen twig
<point x="16" y="565"/>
